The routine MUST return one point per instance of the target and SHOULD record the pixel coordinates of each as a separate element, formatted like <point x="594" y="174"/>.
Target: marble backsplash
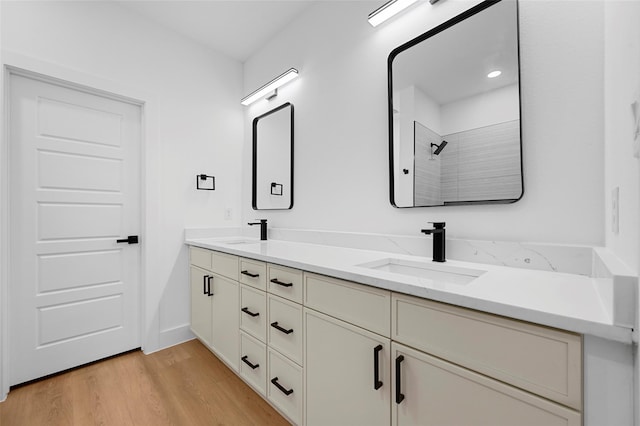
<point x="572" y="259"/>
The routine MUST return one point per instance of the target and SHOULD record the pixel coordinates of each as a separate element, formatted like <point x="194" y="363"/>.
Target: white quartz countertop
<point x="566" y="301"/>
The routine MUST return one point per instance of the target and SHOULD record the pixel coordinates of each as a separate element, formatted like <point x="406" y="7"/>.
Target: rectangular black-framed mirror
<point x="454" y="112"/>
<point x="272" y="187"/>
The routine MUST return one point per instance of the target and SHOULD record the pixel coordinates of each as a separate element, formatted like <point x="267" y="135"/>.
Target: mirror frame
<point x="254" y="181"/>
<point x="432" y="32"/>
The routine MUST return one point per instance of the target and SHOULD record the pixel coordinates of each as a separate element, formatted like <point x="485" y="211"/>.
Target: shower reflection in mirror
<point x="454" y="103"/>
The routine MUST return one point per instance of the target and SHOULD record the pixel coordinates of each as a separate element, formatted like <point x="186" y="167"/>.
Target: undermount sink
<point x="436" y="272"/>
<point x="238" y="242"/>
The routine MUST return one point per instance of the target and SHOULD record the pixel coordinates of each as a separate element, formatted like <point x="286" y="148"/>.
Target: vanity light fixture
<point x="387" y="10"/>
<point x="270" y="87"/>
<point x="494" y="74"/>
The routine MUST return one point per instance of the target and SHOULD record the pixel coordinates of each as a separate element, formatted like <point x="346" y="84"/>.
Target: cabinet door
<point x="347" y="373"/>
<point x="200" y="304"/>
<point x="225" y="336"/>
<point x="430" y="391"/>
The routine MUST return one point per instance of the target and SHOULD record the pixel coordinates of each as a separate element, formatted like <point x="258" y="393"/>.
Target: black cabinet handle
<point x="377" y="383"/>
<point x="284" y="330"/>
<point x="277" y="281"/>
<point x="248" y="312"/>
<point x="399" y="394"/>
<point x="246" y="361"/>
<point x="204" y="284"/>
<point x="209" y="286"/>
<point x="279" y="386"/>
<point x="249" y="274"/>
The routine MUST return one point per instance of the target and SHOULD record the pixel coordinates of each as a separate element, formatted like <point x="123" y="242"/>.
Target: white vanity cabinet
<point x="201" y="322"/>
<point x="214" y="301"/>
<point x="347" y="364"/>
<point x="326" y="351"/>
<point x="285" y="336"/>
<point x="249" y="314"/>
<point x="224" y="313"/>
<point x="429" y="391"/>
<point x="347" y="373"/>
<point x="455" y="366"/>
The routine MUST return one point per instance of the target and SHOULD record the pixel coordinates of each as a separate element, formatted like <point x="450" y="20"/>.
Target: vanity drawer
<point x="253" y="273"/>
<point x="253" y="302"/>
<point x="253" y="362"/>
<point x="284" y="386"/>
<point x="358" y="304"/>
<point x="285" y="282"/>
<point x="545" y="361"/>
<point x="200" y="257"/>
<point x="225" y="265"/>
<point x="285" y="327"/>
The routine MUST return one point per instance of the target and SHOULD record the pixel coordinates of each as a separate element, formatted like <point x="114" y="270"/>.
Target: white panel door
<point x="74" y="190"/>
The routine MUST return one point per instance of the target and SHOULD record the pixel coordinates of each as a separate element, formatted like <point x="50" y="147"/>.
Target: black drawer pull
<point x="248" y="312"/>
<point x="399" y="394"/>
<point x="209" y="293"/>
<point x="246" y="361"/>
<point x="377" y="383"/>
<point x="204" y="284"/>
<point x="279" y="386"/>
<point x="277" y="281"/>
<point x="249" y="274"/>
<point x="284" y="330"/>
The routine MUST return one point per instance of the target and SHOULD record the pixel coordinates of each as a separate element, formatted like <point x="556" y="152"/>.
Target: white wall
<point x="427" y="111"/>
<point x="622" y="87"/>
<point x="497" y="106"/>
<point x="197" y="127"/>
<point x="341" y="148"/>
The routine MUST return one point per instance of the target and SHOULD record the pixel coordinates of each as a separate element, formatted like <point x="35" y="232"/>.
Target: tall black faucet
<point x="263" y="228"/>
<point x="438" y="232"/>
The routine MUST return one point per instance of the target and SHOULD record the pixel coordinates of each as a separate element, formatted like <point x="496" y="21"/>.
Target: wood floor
<point x="183" y="385"/>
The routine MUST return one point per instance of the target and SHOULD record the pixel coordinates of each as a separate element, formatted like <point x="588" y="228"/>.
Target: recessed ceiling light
<point x="494" y="74"/>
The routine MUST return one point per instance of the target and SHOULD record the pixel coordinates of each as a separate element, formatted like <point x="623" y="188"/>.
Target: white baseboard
<point x="172" y="336"/>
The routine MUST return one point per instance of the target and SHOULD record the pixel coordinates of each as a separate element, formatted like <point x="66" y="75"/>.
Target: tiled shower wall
<point x="477" y="164"/>
<point x="482" y="163"/>
<point x="427" y="170"/>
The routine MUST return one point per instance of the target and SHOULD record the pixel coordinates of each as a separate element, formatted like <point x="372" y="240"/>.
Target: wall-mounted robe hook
<point x="202" y="179"/>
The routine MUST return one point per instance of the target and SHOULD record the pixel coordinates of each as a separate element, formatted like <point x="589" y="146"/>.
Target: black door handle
<point x="131" y="239"/>
<point x="245" y="359"/>
<point x="277" y="281"/>
<point x="377" y="383"/>
<point x="399" y="394"/>
<point x="249" y="274"/>
<point x="284" y="330"/>
<point x="279" y="386"/>
<point x="248" y="312"/>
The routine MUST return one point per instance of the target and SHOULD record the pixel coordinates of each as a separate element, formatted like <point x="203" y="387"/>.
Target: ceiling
<point x="453" y="64"/>
<point x="236" y="28"/>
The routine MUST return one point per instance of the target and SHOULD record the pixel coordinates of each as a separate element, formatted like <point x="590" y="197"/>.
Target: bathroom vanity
<point x="331" y="335"/>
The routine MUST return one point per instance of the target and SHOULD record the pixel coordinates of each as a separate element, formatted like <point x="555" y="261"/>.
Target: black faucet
<point x="438" y="232"/>
<point x="263" y="228"/>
